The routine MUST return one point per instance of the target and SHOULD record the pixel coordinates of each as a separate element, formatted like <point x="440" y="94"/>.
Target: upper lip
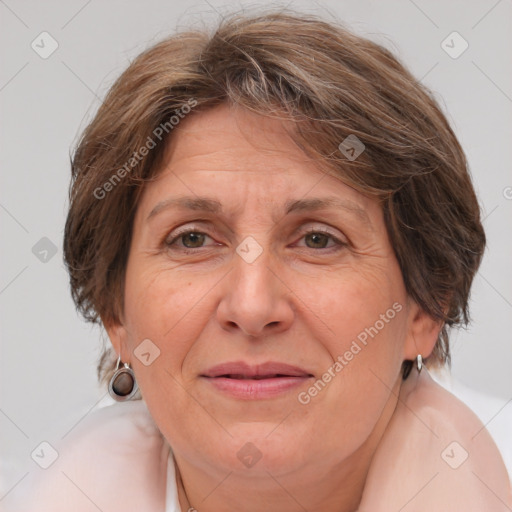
<point x="242" y="370"/>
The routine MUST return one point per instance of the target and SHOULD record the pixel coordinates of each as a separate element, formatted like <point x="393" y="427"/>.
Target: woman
<point x="276" y="227"/>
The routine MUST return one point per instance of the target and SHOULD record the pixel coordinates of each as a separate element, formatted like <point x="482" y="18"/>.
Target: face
<point x="263" y="302"/>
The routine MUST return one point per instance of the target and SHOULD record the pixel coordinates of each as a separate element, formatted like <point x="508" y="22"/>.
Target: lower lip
<point x="252" y="389"/>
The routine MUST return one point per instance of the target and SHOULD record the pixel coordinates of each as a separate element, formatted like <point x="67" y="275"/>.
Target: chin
<point x="264" y="447"/>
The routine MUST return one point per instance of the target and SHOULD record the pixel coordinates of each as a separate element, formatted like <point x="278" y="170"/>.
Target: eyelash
<point x="186" y="250"/>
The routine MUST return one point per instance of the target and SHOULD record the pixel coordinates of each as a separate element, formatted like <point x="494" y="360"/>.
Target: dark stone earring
<point x="122" y="385"/>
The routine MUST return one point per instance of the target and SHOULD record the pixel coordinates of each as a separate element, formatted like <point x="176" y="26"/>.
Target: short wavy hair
<point x="328" y="83"/>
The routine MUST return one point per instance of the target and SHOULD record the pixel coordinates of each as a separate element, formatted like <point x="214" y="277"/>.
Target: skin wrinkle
<point x="277" y="308"/>
<point x="298" y="205"/>
<point x="167" y="203"/>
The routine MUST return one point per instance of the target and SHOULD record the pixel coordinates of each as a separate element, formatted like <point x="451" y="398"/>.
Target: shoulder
<point x="494" y="412"/>
<point x="115" y="456"/>
<point x="435" y="455"/>
<point x="125" y="427"/>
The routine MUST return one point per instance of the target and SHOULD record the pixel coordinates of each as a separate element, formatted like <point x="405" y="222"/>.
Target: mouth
<point x="255" y="382"/>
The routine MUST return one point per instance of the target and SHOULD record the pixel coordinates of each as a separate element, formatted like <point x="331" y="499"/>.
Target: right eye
<point x="190" y="239"/>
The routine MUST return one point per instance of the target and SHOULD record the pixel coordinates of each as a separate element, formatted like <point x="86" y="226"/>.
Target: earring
<point x="122" y="385"/>
<point x="419" y="362"/>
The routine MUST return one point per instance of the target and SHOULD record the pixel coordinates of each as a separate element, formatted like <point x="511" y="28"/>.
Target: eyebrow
<point x="206" y="204"/>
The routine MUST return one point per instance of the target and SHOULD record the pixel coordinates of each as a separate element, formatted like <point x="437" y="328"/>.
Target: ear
<point x="422" y="333"/>
<point x="118" y="337"/>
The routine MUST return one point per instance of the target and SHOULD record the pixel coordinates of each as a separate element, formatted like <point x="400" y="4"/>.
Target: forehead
<point x="236" y="135"/>
<point x="239" y="156"/>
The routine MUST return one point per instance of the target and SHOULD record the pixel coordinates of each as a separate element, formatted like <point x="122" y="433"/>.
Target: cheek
<point x="164" y="307"/>
<point x="161" y="304"/>
<point x="365" y="324"/>
<point x="168" y="309"/>
<point x="358" y="304"/>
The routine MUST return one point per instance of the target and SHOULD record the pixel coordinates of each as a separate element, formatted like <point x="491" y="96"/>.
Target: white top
<point x="171" y="494"/>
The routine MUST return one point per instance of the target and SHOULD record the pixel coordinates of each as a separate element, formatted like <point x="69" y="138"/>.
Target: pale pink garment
<point x="117" y="460"/>
<point x="437" y="456"/>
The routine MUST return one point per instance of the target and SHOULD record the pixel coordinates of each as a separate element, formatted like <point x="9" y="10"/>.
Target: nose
<point x="256" y="300"/>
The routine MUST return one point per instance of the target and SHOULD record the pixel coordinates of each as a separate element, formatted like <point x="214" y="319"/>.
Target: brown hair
<point x="330" y="84"/>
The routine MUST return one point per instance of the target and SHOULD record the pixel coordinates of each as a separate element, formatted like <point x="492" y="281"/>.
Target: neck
<point x="331" y="486"/>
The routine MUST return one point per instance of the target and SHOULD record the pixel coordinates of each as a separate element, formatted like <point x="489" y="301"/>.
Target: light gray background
<point x="48" y="355"/>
